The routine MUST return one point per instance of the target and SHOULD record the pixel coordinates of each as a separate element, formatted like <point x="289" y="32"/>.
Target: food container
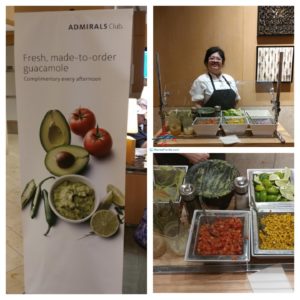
<point x="166" y="182"/>
<point x="191" y="253"/>
<point x="175" y="125"/>
<point x="258" y="205"/>
<point x="72" y="179"/>
<point x="204" y="126"/>
<point x="164" y="214"/>
<point x="256" y="250"/>
<point x="176" y="236"/>
<point x="262" y="126"/>
<point x="214" y="180"/>
<point x="234" y="125"/>
<point x="206" y="111"/>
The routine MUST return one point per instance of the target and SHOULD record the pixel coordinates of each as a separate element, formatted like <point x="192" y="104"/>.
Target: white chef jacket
<point x="202" y="88"/>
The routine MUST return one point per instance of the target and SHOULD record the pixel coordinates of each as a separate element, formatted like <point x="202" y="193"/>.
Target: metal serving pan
<point x="256" y="251"/>
<point x="266" y="205"/>
<point x="199" y="219"/>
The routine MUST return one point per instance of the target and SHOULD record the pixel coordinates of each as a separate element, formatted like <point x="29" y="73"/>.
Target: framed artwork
<point x="267" y="63"/>
<point x="275" y="20"/>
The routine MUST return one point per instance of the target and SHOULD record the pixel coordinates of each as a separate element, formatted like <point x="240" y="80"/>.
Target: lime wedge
<point x="118" y="196"/>
<point x="287" y="173"/>
<point x="280" y="174"/>
<point x="288" y="195"/>
<point x="274" y="177"/>
<point x="256" y="179"/>
<point x="288" y="188"/>
<point x="106" y="201"/>
<point x="287" y="191"/>
<point x="281" y="182"/>
<point x="104" y="223"/>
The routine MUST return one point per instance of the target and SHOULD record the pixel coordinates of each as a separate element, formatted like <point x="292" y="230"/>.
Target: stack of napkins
<point x="270" y="280"/>
<point x="230" y="139"/>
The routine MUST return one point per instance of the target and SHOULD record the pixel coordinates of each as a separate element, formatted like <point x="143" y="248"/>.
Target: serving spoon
<point x="209" y="226"/>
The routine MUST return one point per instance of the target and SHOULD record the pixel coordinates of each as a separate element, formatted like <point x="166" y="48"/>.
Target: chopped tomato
<point x="223" y="237"/>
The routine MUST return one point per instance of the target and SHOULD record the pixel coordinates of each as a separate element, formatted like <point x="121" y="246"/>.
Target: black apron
<point x="224" y="98"/>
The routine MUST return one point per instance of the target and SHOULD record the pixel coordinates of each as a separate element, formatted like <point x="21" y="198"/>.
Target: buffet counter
<point x="214" y="233"/>
<point x="207" y="283"/>
<point x="213" y="141"/>
<point x="172" y="273"/>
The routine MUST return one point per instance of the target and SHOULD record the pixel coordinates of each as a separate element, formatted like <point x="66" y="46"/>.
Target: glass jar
<point x="187" y="124"/>
<point x="174" y="125"/>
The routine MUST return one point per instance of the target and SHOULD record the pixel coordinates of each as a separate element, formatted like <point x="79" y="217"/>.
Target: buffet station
<point x="210" y="126"/>
<point x="211" y="221"/>
<point x="217" y="127"/>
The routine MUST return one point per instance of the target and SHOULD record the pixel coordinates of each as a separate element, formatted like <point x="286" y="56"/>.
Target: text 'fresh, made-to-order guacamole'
<point x="73" y="200"/>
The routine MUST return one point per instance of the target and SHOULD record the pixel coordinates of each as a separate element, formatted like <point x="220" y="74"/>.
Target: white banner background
<point x="61" y="263"/>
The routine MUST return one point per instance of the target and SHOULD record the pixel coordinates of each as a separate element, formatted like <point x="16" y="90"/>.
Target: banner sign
<point x="72" y="86"/>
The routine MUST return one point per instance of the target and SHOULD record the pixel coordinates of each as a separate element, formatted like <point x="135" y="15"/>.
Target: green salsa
<point x="73" y="200"/>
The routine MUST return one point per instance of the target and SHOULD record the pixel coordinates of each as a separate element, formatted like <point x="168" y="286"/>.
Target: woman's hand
<point x="198" y="104"/>
<point x="195" y="158"/>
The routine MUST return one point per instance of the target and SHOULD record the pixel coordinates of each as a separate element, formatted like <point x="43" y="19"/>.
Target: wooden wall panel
<point x="136" y="197"/>
<point x="182" y="35"/>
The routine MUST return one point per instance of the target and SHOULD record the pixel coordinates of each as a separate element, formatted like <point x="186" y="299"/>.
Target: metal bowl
<point x="206" y="112"/>
<point x="213" y="199"/>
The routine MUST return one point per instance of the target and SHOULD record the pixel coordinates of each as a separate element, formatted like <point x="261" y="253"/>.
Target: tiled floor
<point x="135" y="258"/>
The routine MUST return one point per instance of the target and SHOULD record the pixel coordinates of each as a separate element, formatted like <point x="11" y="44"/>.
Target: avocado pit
<point x="65" y="159"/>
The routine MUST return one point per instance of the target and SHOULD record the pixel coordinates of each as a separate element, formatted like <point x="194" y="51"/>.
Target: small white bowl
<point x="72" y="178"/>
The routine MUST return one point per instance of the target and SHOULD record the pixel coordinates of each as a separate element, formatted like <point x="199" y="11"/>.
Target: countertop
<point x="214" y="141"/>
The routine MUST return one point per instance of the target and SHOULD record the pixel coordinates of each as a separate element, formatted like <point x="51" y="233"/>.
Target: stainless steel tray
<point x="198" y="219"/>
<point x="177" y="197"/>
<point x="255" y="250"/>
<point x="266" y="205"/>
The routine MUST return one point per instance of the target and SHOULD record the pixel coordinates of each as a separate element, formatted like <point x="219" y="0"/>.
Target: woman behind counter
<point x="214" y="88"/>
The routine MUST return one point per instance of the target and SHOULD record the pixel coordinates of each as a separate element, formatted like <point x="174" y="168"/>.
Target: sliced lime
<point x="118" y="196"/>
<point x="281" y="182"/>
<point x="274" y="177"/>
<point x="288" y="188"/>
<point x="287" y="191"/>
<point x="104" y="223"/>
<point x="106" y="201"/>
<point x="256" y="179"/>
<point x="280" y="174"/>
<point x="287" y="173"/>
<point x="288" y="195"/>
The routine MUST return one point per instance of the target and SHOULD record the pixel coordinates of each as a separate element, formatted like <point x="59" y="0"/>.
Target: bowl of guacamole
<point x="73" y="198"/>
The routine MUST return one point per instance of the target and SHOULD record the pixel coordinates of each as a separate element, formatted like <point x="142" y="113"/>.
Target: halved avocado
<point x="54" y="130"/>
<point x="54" y="165"/>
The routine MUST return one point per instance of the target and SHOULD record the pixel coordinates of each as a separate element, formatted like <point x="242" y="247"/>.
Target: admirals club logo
<point x="95" y="26"/>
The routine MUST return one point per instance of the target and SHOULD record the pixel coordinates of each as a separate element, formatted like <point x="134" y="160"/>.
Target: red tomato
<point x="81" y="121"/>
<point x="98" y="142"/>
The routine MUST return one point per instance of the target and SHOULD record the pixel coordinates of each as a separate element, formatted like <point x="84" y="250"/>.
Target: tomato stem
<point x="98" y="133"/>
